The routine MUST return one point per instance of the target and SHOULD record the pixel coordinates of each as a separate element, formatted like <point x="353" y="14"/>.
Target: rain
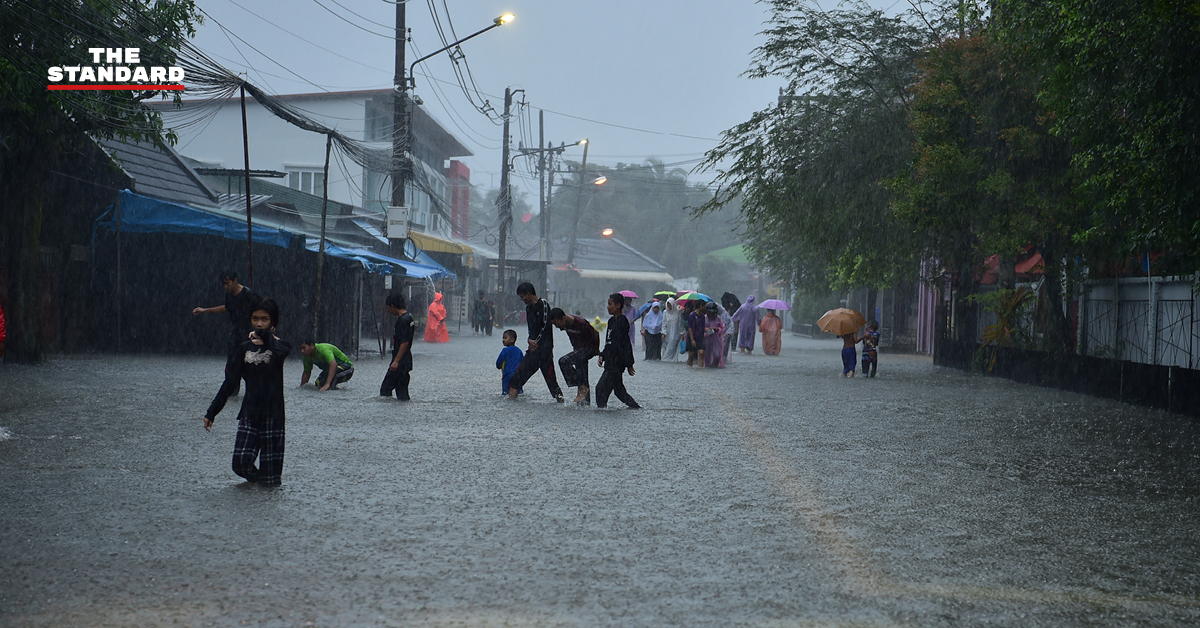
<point x="779" y="313"/>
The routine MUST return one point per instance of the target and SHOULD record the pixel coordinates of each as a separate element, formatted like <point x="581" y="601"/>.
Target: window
<point x="310" y="181"/>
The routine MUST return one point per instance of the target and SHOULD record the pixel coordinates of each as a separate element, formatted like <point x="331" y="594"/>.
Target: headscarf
<point x="653" y="320"/>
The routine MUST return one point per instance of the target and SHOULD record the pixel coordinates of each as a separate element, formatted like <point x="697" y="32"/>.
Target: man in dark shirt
<point x="616" y="357"/>
<point x="397" y="377"/>
<point x="239" y="301"/>
<point x="585" y="343"/>
<point x="540" y="355"/>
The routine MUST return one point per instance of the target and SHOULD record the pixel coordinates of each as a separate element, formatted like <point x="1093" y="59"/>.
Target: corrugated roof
<point x="158" y="171"/>
<point x="606" y="254"/>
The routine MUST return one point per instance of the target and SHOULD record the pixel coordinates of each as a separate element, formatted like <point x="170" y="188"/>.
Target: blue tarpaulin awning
<point x="378" y="263"/>
<point x="142" y="214"/>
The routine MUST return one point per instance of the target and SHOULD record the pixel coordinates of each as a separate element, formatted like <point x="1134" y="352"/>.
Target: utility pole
<point x="578" y="204"/>
<point x="546" y="234"/>
<point x="400" y="130"/>
<point x="542" y="182"/>
<point x="504" y="202"/>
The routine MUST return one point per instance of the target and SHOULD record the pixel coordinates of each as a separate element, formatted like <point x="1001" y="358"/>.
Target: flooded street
<point x="771" y="493"/>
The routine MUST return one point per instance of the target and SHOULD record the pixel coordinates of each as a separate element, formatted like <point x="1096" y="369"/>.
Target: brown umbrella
<point x="841" y="321"/>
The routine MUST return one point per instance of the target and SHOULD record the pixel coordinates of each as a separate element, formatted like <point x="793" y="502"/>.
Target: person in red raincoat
<point x="435" y="325"/>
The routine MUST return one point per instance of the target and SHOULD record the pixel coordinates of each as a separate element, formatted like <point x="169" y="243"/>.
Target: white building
<point x="215" y="137"/>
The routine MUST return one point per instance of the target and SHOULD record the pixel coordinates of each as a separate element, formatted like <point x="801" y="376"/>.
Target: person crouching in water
<point x="258" y="361"/>
<point x="617" y="356"/>
<point x="335" y="368"/>
<point x="585" y="344"/>
<point x="509" y="359"/>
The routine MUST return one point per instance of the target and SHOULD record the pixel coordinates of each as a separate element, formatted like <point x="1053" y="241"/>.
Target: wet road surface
<point x="772" y="493"/>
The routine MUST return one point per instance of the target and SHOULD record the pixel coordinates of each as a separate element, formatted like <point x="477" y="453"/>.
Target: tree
<point x="987" y="177"/>
<point x="1118" y="78"/>
<point x="810" y="171"/>
<point x="36" y="124"/>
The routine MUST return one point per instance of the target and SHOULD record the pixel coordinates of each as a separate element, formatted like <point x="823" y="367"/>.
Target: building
<point x="438" y="195"/>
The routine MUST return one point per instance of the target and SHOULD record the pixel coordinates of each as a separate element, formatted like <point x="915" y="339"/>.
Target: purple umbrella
<point x="774" y="304"/>
<point x="628" y="293"/>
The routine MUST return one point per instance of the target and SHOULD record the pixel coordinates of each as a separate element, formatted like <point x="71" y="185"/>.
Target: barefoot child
<point x="585" y="343"/>
<point x="259" y="361"/>
<point x="849" y="356"/>
<point x="508" y="360"/>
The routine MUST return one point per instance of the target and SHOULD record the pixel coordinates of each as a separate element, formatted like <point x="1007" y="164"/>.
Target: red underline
<point x="130" y="88"/>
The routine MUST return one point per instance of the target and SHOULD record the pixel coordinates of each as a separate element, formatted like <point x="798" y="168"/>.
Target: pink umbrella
<point x="628" y="293"/>
<point x="774" y="304"/>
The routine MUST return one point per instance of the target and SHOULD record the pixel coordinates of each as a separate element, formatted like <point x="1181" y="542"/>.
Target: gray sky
<point x="669" y="68"/>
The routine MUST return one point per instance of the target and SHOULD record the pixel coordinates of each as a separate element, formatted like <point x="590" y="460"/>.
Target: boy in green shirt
<point x="329" y="359"/>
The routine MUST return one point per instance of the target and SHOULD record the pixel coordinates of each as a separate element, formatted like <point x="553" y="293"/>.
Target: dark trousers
<point x="261" y="439"/>
<point x="537" y="360"/>
<point x="396" y="381"/>
<point x="653" y="346"/>
<point x="612" y="382"/>
<point x="574" y="367"/>
<point x="344" y="373"/>
<point x="870" y="364"/>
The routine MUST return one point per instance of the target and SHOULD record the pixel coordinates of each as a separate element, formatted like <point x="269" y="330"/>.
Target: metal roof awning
<point x="631" y="275"/>
<point x="427" y="242"/>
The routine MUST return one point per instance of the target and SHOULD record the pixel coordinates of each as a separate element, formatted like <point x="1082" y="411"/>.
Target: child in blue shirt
<point x="508" y="360"/>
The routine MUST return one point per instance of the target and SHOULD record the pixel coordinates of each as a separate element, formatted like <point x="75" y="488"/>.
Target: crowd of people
<point x="706" y="333"/>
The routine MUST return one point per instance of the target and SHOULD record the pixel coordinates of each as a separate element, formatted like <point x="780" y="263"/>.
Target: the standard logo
<point x="123" y="72"/>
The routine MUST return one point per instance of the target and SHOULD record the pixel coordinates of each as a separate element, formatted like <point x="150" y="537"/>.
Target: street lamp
<point x="607" y="232"/>
<point x="500" y="21"/>
<point x="401" y="117"/>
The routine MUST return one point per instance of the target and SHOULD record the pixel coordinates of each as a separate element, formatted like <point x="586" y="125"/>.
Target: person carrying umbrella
<point x="772" y="326"/>
<point x="845" y="324"/>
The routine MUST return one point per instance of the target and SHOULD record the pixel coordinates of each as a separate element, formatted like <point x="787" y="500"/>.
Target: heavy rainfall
<point x="775" y="313"/>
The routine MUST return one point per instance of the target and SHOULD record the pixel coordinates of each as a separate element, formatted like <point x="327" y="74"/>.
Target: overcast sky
<point x="668" y="68"/>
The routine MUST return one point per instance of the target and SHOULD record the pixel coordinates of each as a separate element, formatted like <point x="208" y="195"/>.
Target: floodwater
<point x="773" y="493"/>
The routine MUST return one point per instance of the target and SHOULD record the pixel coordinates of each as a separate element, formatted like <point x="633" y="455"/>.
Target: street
<point x="771" y="493"/>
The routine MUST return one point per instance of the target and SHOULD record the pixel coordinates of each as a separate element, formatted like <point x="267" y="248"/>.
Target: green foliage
<point x="1120" y="80"/>
<point x="809" y="171"/>
<point x="986" y="176"/>
<point x="37" y="125"/>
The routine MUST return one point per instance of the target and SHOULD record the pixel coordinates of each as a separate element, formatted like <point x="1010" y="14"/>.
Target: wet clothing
<point x="479" y="316"/>
<point x="714" y="341"/>
<point x="541" y="331"/>
<point x="670" y="332"/>
<point x="730" y="332"/>
<point x="849" y="360"/>
<point x="239" y="307"/>
<point x="323" y="352"/>
<point x="870" y="352"/>
<point x="618" y="356"/>
<point x="652" y="327"/>
<point x="397" y="380"/>
<point x="261" y="419"/>
<point x="772" y="331"/>
<point x="508" y="361"/>
<point x="747" y="318"/>
<point x="585" y="344"/>
<point x="537" y="360"/>
<point x="435" y="324"/>
<point x="696" y="327"/>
